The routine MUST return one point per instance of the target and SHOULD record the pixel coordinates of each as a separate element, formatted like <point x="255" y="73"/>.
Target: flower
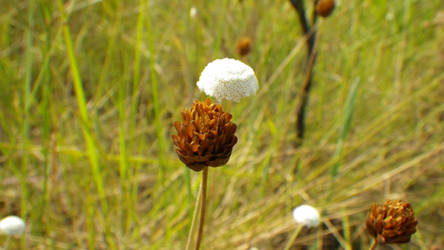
<point x="205" y="137"/>
<point x="193" y="12"/>
<point x="306" y="215"/>
<point x="394" y="222"/>
<point x="325" y="7"/>
<point x="12" y="225"/>
<point x="243" y="46"/>
<point x="228" y="79"/>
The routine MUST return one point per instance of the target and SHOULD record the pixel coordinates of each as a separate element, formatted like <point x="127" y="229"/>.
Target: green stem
<point x="81" y="100"/>
<point x="294" y="236"/>
<point x="8" y="241"/>
<point x="373" y="246"/>
<point x="203" y="207"/>
<point x="194" y="220"/>
<point x="156" y="104"/>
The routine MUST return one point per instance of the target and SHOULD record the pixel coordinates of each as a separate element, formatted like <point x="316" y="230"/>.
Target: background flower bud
<point x="243" y="46"/>
<point x="324" y="8"/>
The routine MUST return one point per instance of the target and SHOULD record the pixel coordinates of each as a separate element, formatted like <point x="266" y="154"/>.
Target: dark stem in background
<point x="303" y="95"/>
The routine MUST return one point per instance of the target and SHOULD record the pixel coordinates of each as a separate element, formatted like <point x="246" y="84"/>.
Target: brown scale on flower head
<point x="243" y="46"/>
<point x="394" y="222"/>
<point x="325" y="7"/>
<point x="205" y="136"/>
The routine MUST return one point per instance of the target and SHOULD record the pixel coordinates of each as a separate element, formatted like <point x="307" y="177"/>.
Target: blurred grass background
<point x="89" y="90"/>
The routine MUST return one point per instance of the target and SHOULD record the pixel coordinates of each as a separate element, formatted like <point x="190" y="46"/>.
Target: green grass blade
<point x="155" y="95"/>
<point x="81" y="101"/>
<point x="345" y="127"/>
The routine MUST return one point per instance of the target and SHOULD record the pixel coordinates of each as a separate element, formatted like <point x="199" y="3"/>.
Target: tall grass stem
<point x="93" y="153"/>
<point x="27" y="97"/>
<point x="345" y="127"/>
<point x="155" y="95"/>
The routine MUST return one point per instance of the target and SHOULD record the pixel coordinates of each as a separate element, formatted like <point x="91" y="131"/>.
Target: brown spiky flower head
<point x="325" y="7"/>
<point x="205" y="136"/>
<point x="393" y="222"/>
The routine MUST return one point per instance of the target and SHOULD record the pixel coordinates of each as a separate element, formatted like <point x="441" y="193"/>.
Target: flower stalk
<point x="199" y="206"/>
<point x="205" y="138"/>
<point x="310" y="35"/>
<point x="373" y="246"/>
<point x="202" y="207"/>
<point x="195" y="216"/>
<point x="294" y="236"/>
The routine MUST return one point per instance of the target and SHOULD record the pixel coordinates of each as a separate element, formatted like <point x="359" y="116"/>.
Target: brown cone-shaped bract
<point x="243" y="46"/>
<point x="205" y="136"/>
<point x="325" y="7"/>
<point x="393" y="222"/>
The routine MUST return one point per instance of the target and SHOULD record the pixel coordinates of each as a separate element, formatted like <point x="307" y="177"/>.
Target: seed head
<point x="306" y="215"/>
<point x="243" y="46"/>
<point x="205" y="136"/>
<point x="228" y="79"/>
<point x="325" y="7"/>
<point x="12" y="225"/>
<point x="393" y="222"/>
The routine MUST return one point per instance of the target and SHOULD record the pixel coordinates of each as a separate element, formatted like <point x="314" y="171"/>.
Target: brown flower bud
<point x="205" y="136"/>
<point x="243" y="46"/>
<point x="394" y="222"/>
<point x="325" y="7"/>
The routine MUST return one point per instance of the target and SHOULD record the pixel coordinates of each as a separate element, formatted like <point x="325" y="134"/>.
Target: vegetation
<point x="90" y="89"/>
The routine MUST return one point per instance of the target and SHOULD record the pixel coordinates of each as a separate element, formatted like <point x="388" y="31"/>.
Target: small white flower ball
<point x="228" y="79"/>
<point x="12" y="225"/>
<point x="306" y="215"/>
<point x="193" y="12"/>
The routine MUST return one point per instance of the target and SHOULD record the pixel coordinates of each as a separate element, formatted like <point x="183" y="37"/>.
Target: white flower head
<point x="12" y="225"/>
<point x="306" y="215"/>
<point x="193" y="11"/>
<point x="228" y="79"/>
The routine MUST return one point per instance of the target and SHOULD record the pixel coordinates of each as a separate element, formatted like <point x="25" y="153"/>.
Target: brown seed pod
<point x="394" y="222"/>
<point x="243" y="46"/>
<point x="324" y="8"/>
<point x="205" y="136"/>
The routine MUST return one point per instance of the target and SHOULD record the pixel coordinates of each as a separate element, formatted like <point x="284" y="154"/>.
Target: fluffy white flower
<point x="228" y="79"/>
<point x="193" y="11"/>
<point x="306" y="215"/>
<point x="12" y="225"/>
